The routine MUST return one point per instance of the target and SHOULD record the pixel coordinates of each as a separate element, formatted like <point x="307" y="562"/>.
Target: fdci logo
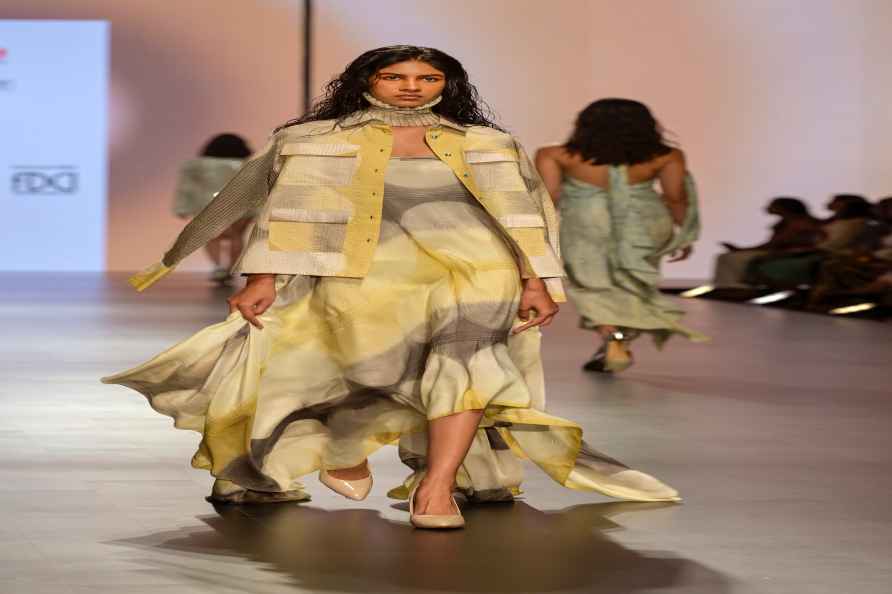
<point x="3" y="53"/>
<point x="44" y="180"/>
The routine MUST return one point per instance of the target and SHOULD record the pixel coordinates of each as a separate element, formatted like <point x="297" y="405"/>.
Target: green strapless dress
<point x="612" y="241"/>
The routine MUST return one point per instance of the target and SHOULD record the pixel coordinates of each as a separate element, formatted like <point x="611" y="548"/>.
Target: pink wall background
<point x="767" y="97"/>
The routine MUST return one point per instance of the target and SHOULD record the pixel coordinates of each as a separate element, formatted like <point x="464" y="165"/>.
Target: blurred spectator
<point x="200" y="180"/>
<point x="866" y="268"/>
<point x="851" y="214"/>
<point x="796" y="230"/>
<point x="884" y="243"/>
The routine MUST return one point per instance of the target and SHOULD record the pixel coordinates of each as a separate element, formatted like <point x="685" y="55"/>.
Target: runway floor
<point x="778" y="434"/>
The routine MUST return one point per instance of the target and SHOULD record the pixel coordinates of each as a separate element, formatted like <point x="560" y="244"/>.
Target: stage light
<point x="853" y="308"/>
<point x="771" y="298"/>
<point x="697" y="291"/>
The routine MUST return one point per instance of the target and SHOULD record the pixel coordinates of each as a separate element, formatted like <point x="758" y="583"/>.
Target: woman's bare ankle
<point x="438" y="481"/>
<point x="606" y="331"/>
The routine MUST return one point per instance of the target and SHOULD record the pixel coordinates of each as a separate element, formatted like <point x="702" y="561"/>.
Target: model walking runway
<point x="397" y="275"/>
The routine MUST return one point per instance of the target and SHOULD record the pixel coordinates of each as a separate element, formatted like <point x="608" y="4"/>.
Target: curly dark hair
<point x="617" y="132"/>
<point x="461" y="102"/>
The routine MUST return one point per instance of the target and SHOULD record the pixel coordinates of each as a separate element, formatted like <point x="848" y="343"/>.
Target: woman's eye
<point x="432" y="79"/>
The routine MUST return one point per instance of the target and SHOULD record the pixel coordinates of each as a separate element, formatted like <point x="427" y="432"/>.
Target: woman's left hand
<point x="535" y="299"/>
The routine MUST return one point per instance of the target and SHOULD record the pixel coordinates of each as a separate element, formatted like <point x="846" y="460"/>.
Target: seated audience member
<point x="851" y="214"/>
<point x="883" y="212"/>
<point x="796" y="230"/>
<point x="875" y="233"/>
<point x="865" y="268"/>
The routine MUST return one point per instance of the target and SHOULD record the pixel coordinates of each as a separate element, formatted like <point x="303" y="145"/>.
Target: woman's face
<point x="407" y="84"/>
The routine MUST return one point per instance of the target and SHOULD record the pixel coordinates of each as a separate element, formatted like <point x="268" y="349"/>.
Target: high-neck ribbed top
<point x="402" y="116"/>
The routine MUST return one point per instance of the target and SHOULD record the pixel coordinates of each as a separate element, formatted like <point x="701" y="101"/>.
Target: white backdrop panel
<point x="53" y="109"/>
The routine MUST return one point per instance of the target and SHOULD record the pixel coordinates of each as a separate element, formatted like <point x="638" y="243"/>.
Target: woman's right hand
<point x="255" y="298"/>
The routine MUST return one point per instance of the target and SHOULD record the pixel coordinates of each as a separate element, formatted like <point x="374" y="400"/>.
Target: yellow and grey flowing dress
<point x="612" y="240"/>
<point x="344" y="366"/>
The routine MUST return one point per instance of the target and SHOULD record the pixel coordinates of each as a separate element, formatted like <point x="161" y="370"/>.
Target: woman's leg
<point x="449" y="439"/>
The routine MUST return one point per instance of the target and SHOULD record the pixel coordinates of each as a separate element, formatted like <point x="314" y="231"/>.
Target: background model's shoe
<point x="356" y="490"/>
<point x="618" y="357"/>
<point x="597" y="363"/>
<point x="433" y="521"/>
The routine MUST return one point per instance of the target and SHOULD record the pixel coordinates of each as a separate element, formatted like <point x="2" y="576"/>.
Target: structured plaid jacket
<point x="319" y="188"/>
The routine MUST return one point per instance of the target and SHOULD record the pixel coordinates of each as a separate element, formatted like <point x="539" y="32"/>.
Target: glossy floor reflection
<point x="776" y="434"/>
<point x="506" y="548"/>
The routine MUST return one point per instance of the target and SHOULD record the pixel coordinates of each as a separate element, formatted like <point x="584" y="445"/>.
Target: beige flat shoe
<point x="356" y="490"/>
<point x="618" y="357"/>
<point x="432" y="521"/>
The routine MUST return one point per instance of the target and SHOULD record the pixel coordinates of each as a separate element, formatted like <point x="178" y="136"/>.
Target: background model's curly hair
<point x="343" y="95"/>
<point x="617" y="132"/>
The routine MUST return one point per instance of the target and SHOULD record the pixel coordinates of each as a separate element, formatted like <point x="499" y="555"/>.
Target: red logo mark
<point x="3" y="53"/>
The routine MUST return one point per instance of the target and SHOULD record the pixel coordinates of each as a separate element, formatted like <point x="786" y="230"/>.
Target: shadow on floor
<point x="505" y="548"/>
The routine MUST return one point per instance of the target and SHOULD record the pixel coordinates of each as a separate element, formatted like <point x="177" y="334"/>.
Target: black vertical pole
<point x="308" y="54"/>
